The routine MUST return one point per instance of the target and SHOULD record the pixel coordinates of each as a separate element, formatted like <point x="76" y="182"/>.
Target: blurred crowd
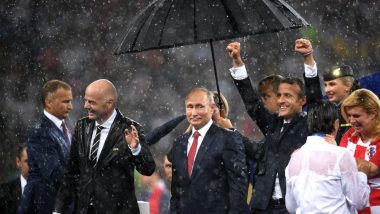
<point x="74" y="41"/>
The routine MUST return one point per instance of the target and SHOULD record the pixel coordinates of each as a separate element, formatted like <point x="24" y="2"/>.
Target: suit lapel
<point x="182" y="153"/>
<point x="116" y="131"/>
<point x="88" y="135"/>
<point x="207" y="142"/>
<point x="57" y="134"/>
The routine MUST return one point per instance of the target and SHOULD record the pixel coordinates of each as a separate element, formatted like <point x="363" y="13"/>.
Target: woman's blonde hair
<point x="370" y="103"/>
<point x="224" y="102"/>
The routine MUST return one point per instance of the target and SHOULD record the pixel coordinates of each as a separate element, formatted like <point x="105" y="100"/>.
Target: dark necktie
<point x="95" y="146"/>
<point x="192" y="151"/>
<point x="65" y="132"/>
<point x="284" y="127"/>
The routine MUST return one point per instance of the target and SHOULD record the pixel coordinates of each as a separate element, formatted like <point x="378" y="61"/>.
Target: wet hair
<point x="20" y="149"/>
<point x="202" y="89"/>
<point x="295" y="81"/>
<point x="224" y="101"/>
<point x="321" y="117"/>
<point x="367" y="100"/>
<point x="51" y="87"/>
<point x="269" y="81"/>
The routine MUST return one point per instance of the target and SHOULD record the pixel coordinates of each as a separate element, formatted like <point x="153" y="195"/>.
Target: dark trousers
<point x="274" y="207"/>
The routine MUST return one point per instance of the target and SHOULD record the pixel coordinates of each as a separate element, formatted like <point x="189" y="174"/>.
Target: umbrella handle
<point x="216" y="74"/>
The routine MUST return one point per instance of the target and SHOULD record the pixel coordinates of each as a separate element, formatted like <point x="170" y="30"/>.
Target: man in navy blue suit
<point x="48" y="148"/>
<point x="209" y="168"/>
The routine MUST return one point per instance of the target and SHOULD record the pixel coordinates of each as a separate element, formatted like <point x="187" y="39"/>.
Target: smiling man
<point x="209" y="169"/>
<point x="284" y="132"/>
<point x="107" y="147"/>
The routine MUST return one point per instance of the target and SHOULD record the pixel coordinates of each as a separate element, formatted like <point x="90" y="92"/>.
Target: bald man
<point x="106" y="148"/>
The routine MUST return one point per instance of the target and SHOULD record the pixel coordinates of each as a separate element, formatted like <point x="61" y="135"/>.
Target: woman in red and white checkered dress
<point x="362" y="110"/>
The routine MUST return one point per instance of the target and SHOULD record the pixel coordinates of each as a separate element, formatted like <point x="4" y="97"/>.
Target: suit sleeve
<point x="175" y="190"/>
<point x="69" y="187"/>
<point x="313" y="90"/>
<point x="254" y="105"/>
<point x="156" y="134"/>
<point x="144" y="161"/>
<point x="236" y="169"/>
<point x="43" y="153"/>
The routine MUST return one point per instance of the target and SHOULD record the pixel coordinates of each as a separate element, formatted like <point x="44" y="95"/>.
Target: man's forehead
<point x="287" y="86"/>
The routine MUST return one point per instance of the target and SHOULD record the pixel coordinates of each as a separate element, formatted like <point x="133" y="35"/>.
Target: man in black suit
<point x="209" y="168"/>
<point x="106" y="149"/>
<point x="284" y="132"/>
<point x="10" y="192"/>
<point x="48" y="147"/>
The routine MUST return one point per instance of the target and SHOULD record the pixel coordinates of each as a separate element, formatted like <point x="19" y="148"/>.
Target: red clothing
<point x="368" y="152"/>
<point x="158" y="199"/>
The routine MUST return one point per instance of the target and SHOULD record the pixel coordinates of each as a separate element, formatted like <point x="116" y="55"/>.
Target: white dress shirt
<point x="54" y="119"/>
<point x="23" y="183"/>
<point x="104" y="134"/>
<point x="323" y="178"/>
<point x="202" y="132"/>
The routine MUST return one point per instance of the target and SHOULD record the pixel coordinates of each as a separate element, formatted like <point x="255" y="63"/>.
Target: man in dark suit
<point x="106" y="149"/>
<point x="10" y="192"/>
<point x="48" y="148"/>
<point x="209" y="168"/>
<point x="284" y="132"/>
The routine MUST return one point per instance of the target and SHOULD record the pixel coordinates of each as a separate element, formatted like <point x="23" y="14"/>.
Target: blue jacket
<point x="48" y="153"/>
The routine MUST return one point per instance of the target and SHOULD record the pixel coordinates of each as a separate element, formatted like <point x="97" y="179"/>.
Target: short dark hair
<point x="271" y="80"/>
<point x="295" y="81"/>
<point x="20" y="149"/>
<point x="52" y="86"/>
<point x="321" y="117"/>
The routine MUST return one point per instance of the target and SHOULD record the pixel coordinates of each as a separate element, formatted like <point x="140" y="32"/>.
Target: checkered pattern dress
<point x="366" y="151"/>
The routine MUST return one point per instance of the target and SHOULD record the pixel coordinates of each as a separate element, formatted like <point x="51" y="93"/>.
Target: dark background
<point x="74" y="40"/>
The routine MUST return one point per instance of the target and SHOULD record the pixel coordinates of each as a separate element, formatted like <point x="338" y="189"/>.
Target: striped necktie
<point x="95" y="146"/>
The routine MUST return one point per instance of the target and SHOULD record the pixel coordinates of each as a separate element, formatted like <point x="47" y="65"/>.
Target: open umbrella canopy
<point x="170" y="23"/>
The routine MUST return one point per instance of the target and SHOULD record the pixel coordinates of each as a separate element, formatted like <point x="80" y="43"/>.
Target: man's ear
<point x="336" y="125"/>
<point x="48" y="102"/>
<point x="303" y="100"/>
<point x="18" y="162"/>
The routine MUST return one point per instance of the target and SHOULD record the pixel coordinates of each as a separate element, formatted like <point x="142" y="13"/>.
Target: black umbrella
<point x="171" y="23"/>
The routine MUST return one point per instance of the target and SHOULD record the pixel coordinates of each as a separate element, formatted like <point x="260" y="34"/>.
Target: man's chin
<point x="92" y="116"/>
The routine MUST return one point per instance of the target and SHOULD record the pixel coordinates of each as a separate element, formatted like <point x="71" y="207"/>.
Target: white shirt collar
<point x="23" y="183"/>
<point x="109" y="121"/>
<point x="54" y="119"/>
<point x="202" y="131"/>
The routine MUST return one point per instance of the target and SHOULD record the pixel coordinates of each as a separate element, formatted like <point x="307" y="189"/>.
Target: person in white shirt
<point x="11" y="191"/>
<point x="322" y="177"/>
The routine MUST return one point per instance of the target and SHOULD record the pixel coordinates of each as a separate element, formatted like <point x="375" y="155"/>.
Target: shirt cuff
<point x="135" y="151"/>
<point x="239" y="73"/>
<point x="311" y="71"/>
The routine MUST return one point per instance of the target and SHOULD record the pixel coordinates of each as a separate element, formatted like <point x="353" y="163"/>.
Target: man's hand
<point x="233" y="50"/>
<point x="132" y="137"/>
<point x="304" y="47"/>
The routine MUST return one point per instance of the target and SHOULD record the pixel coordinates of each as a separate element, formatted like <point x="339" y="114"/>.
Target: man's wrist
<point x="239" y="73"/>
